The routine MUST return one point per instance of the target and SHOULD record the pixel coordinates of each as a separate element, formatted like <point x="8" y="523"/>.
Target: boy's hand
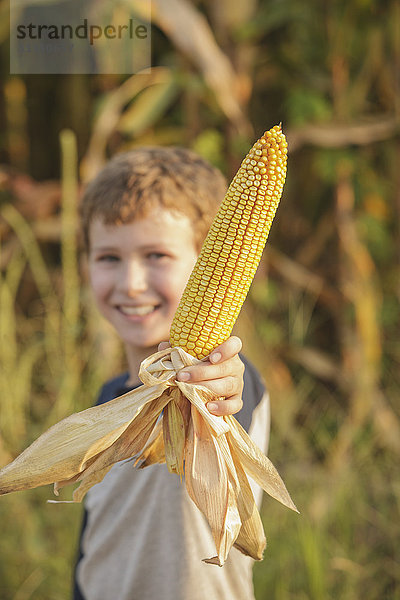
<point x="222" y="373"/>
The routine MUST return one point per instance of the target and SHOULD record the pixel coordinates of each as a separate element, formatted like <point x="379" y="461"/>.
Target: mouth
<point x="138" y="311"/>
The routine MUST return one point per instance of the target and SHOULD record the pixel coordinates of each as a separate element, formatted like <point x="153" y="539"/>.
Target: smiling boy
<point x="144" y="219"/>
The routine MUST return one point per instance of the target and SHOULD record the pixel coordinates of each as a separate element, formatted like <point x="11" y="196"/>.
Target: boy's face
<point x="138" y="272"/>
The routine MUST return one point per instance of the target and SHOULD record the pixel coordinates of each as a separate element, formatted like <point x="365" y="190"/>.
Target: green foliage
<point x="209" y="144"/>
<point x="304" y="106"/>
<point x="342" y="544"/>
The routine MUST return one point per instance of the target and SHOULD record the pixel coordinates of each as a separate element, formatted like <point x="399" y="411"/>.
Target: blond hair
<point x="135" y="183"/>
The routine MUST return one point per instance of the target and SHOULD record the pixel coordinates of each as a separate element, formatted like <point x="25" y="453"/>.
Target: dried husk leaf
<point x="128" y="444"/>
<point x="88" y="481"/>
<point x="217" y="452"/>
<point x="256" y="464"/>
<point x="174" y="432"/>
<point x="68" y="447"/>
<point x="232" y="525"/>
<point x="153" y="453"/>
<point x="207" y="483"/>
<point x="71" y="446"/>
<point x="199" y="396"/>
<point x="184" y="406"/>
<point x="251" y="539"/>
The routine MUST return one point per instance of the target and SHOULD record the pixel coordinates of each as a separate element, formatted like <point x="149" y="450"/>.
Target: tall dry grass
<point x="52" y="364"/>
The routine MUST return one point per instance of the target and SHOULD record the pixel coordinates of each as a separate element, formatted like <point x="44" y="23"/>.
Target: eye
<point x="107" y="258"/>
<point x="156" y="256"/>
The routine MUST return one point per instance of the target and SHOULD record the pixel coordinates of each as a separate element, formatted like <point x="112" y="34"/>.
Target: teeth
<point x="140" y="311"/>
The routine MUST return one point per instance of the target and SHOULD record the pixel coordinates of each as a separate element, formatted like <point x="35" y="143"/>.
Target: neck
<point x="134" y="357"/>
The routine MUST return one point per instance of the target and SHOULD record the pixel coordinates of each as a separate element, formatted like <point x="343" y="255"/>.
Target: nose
<point x="133" y="279"/>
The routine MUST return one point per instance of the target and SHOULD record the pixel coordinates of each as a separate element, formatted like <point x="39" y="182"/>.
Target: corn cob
<point x="228" y="260"/>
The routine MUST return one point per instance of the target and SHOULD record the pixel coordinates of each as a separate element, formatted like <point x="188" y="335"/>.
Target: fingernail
<point x="183" y="376"/>
<point x="215" y="357"/>
<point x="212" y="406"/>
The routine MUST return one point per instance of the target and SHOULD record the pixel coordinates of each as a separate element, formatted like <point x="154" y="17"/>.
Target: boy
<point x="144" y="219"/>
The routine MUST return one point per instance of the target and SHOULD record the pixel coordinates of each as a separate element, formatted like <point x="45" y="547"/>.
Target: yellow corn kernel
<point x="232" y="249"/>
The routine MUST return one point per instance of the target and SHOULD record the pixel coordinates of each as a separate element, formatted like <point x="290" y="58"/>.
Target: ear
<point x="84" y="266"/>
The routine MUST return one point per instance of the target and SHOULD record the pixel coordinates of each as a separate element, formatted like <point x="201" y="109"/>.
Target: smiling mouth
<point x="138" y="311"/>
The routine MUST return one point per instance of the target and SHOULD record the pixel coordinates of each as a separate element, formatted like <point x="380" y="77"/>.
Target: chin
<point x="140" y="344"/>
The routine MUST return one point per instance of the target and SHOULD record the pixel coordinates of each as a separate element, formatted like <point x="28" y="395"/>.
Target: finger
<point x="227" y="406"/>
<point x="163" y="346"/>
<point x="206" y="371"/>
<point x="227" y="349"/>
<point x="226" y="387"/>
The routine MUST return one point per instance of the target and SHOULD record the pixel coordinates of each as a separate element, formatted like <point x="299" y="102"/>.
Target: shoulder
<point x="252" y="378"/>
<point x="112" y="388"/>
<point x="253" y="393"/>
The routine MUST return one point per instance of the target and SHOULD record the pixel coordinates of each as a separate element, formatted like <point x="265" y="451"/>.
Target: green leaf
<point x="148" y="107"/>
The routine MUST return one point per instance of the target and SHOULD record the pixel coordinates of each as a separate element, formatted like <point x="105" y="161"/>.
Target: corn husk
<point x="163" y="420"/>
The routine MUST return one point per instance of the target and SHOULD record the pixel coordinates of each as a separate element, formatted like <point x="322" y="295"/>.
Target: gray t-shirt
<point x="143" y="537"/>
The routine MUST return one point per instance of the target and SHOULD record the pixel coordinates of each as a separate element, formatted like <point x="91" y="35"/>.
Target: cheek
<point x="175" y="282"/>
<point x="100" y="283"/>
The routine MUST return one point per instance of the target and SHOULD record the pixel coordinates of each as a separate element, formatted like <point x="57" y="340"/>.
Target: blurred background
<point x="322" y="320"/>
